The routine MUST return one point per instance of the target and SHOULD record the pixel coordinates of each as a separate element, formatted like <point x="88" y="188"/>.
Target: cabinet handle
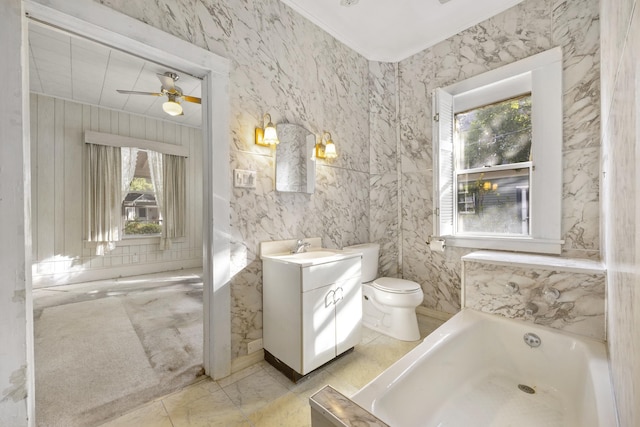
<point x="335" y="301"/>
<point x="327" y="301"/>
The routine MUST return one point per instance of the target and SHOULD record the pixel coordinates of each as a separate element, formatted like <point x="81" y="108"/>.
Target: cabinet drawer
<point x="316" y="276"/>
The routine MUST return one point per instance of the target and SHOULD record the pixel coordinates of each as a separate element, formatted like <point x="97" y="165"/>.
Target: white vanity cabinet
<point x="312" y="311"/>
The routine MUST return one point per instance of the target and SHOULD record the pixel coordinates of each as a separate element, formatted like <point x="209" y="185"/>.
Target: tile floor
<point x="261" y="396"/>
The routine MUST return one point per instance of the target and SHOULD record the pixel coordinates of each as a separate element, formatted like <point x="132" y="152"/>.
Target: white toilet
<point x="389" y="304"/>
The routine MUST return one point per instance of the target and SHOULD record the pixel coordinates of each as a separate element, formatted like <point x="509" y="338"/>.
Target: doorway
<point x="103" y="25"/>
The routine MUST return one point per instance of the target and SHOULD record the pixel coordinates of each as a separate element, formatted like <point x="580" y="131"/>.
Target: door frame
<point x="107" y="26"/>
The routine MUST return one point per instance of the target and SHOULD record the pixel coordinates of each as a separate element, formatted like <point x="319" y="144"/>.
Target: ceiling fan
<point x="171" y="91"/>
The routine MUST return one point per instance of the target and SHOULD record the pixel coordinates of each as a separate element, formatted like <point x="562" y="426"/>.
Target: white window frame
<point x="541" y="75"/>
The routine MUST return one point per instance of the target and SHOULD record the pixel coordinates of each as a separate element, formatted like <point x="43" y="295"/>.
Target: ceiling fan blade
<point x="135" y="92"/>
<point x="191" y="99"/>
<point x="168" y="83"/>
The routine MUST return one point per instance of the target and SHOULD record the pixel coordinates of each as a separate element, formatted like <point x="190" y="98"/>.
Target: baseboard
<point x="106" y="273"/>
<point x="242" y="362"/>
<point x="90" y="275"/>
<point x="436" y="314"/>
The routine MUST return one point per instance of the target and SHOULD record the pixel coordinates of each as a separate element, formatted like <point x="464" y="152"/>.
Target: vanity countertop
<point x="281" y="251"/>
<point x="313" y="256"/>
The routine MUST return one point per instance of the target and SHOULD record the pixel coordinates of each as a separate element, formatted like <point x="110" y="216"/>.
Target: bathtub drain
<point x="526" y="389"/>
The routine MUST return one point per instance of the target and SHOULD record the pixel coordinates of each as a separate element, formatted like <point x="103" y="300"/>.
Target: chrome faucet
<point x="301" y="246"/>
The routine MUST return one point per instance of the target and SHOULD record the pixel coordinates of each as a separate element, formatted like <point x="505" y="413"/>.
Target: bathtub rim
<point x="597" y="362"/>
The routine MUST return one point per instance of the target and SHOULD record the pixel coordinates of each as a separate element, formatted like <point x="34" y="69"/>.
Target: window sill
<point x="517" y="244"/>
<point x="138" y="240"/>
<point x="135" y="241"/>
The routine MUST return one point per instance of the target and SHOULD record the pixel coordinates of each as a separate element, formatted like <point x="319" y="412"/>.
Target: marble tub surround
<point x="534" y="261"/>
<point x="522" y="286"/>
<point x="330" y="408"/>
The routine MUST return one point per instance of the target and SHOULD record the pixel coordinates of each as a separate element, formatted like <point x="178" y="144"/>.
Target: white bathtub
<point x="467" y="373"/>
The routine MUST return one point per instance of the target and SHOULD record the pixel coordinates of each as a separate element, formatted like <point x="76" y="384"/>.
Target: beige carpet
<point x="112" y="351"/>
<point x="83" y="363"/>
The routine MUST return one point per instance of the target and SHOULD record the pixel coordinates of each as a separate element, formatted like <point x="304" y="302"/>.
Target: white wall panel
<point x="58" y="177"/>
<point x="73" y="187"/>
<point x="44" y="165"/>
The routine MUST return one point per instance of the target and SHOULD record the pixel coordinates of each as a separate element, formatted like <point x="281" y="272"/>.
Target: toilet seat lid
<point x="398" y="286"/>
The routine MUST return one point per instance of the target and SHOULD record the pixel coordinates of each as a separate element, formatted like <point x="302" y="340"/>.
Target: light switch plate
<point x="244" y="179"/>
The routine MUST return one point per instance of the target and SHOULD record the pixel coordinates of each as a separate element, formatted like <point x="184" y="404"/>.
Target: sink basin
<point x="312" y="255"/>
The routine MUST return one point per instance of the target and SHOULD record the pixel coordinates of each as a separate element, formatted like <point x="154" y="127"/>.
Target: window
<point x="498" y="157"/>
<point x="139" y="181"/>
<point x="492" y="152"/>
<point x="141" y="215"/>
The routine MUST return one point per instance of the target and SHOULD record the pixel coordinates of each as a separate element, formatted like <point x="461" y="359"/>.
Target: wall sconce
<point x="268" y="136"/>
<point x="326" y="149"/>
<point x="172" y="106"/>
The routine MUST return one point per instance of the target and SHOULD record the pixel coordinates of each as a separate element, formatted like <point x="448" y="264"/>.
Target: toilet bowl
<point x="388" y="304"/>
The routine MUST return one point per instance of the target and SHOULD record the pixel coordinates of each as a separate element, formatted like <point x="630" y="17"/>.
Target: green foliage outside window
<point x="140" y="184"/>
<point x="137" y="227"/>
<point x="492" y="135"/>
<point x="496" y="134"/>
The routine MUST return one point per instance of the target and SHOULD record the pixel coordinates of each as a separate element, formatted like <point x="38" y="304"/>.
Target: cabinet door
<point x="318" y="328"/>
<point x="348" y="309"/>
<point x="282" y="311"/>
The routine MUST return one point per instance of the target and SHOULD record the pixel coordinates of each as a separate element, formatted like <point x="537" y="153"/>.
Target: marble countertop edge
<point x="547" y="262"/>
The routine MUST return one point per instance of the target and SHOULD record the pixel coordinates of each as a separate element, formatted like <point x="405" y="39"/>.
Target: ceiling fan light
<point x="172" y="108"/>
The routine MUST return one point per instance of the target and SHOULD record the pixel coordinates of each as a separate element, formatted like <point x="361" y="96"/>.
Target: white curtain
<point x="129" y="160"/>
<point x="104" y="181"/>
<point x="174" y="185"/>
<point x="155" y="167"/>
<point x="169" y="182"/>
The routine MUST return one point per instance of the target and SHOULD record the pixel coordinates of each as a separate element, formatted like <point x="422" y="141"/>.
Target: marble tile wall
<point x="621" y="192"/>
<point x="579" y="308"/>
<point x="283" y="65"/>
<point x="383" y="124"/>
<point x="531" y="27"/>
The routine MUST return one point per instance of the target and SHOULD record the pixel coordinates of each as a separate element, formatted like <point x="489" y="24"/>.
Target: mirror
<point x="295" y="171"/>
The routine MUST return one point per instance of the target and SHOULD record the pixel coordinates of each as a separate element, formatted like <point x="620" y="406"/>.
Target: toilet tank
<point x="370" y="252"/>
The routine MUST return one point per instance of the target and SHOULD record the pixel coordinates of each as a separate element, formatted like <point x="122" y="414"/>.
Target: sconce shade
<point x="326" y="149"/>
<point x="268" y="136"/>
<point x="172" y="108"/>
<point x="330" y="150"/>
